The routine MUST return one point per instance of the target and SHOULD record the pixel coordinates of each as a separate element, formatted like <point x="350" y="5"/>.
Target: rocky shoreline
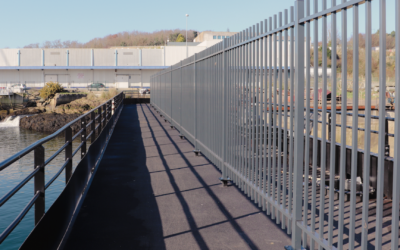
<point x="50" y="122"/>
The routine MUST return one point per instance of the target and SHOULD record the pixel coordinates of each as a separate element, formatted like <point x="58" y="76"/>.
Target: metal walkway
<point x="152" y="192"/>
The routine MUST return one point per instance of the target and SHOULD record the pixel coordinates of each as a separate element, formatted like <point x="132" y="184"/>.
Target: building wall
<point x="175" y="54"/>
<point x="136" y="78"/>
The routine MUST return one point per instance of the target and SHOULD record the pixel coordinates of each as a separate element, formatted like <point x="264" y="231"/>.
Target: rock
<point x="50" y="122"/>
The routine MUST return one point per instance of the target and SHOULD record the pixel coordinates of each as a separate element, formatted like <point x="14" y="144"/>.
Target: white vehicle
<point x="144" y="91"/>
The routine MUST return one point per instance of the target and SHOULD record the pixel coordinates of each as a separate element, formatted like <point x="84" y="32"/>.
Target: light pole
<point x="187" y="15"/>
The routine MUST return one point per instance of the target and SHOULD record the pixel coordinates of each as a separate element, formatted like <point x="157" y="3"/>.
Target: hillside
<point x="134" y="38"/>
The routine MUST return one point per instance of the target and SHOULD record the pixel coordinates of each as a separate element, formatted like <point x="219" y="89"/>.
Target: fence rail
<point x="245" y="106"/>
<point x="90" y="129"/>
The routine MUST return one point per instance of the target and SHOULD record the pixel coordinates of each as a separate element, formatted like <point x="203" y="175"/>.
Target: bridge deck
<point x="152" y="192"/>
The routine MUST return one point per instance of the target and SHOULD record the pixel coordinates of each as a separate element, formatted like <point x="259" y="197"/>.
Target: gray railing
<point x="246" y="104"/>
<point x="90" y="129"/>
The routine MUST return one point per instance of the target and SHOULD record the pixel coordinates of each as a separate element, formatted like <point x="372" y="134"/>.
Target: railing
<point x="240" y="106"/>
<point x="99" y="117"/>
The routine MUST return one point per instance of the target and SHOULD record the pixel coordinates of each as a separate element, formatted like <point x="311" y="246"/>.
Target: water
<point x="12" y="140"/>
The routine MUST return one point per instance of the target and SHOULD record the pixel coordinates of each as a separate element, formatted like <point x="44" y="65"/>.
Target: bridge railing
<point x="91" y="125"/>
<point x="247" y="104"/>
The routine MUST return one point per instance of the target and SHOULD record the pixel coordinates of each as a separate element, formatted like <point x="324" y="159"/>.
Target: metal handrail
<point x="4" y="164"/>
<point x="40" y="162"/>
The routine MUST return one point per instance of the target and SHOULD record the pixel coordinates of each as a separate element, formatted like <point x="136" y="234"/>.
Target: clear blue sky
<point x="26" y="22"/>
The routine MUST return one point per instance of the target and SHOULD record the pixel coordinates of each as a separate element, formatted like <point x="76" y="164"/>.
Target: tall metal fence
<point x="258" y="114"/>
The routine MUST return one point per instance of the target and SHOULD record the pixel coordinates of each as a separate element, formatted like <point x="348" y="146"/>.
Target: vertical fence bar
<point x="270" y="210"/>
<point x="252" y="111"/>
<point x="332" y="164"/>
<point x="307" y="136"/>
<point x="291" y="143"/>
<point x="224" y="178"/>
<point x="285" y="113"/>
<point x="315" y="128"/>
<point x="299" y="123"/>
<point x="323" y="128"/>
<point x="396" y="164"/>
<point x="354" y="152"/>
<point x="171" y="120"/>
<point x="196" y="147"/>
<point x="39" y="183"/>
<point x="180" y="105"/>
<point x="367" y="139"/>
<point x="382" y="120"/>
<point x="274" y="121"/>
<point x="343" y="119"/>
<point x="265" y="100"/>
<point x="279" y="132"/>
<point x="68" y="154"/>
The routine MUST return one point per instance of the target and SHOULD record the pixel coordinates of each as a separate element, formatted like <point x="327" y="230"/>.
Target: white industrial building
<point x="120" y="68"/>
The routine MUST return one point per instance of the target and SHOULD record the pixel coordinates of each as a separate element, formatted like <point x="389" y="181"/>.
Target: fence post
<point x="224" y="178"/>
<point x="83" y="137"/>
<point x="68" y="154"/>
<point x="196" y="147"/>
<point x="180" y="107"/>
<point x="39" y="183"/>
<point x="299" y="126"/>
<point x="172" y="126"/>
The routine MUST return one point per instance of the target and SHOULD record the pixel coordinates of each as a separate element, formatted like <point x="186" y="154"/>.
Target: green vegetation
<point x="180" y="38"/>
<point x="50" y="89"/>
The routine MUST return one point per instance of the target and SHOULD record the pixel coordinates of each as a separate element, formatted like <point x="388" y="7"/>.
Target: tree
<point x="393" y="34"/>
<point x="173" y="37"/>
<point x="195" y="34"/>
<point x="123" y="44"/>
<point x="180" y="39"/>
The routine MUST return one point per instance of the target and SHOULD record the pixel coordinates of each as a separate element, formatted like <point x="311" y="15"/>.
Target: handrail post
<point x="298" y="126"/>
<point x="83" y="137"/>
<point x="112" y="106"/>
<point x="104" y="115"/>
<point x="93" y="127"/>
<point x="68" y="154"/>
<point x="39" y="183"/>
<point x="330" y="128"/>
<point x="99" y="120"/>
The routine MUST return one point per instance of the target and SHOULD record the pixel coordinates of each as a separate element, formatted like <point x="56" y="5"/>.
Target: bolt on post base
<point x="165" y="120"/>
<point x="225" y="181"/>
<point x="172" y="127"/>
<point x="197" y="152"/>
<point x="181" y="136"/>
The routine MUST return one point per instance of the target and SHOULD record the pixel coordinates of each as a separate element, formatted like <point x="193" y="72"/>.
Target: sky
<point x="26" y="22"/>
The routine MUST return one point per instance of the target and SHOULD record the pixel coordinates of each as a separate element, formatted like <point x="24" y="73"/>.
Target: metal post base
<point x="165" y="120"/>
<point x="225" y="181"/>
<point x="182" y="136"/>
<point x="291" y="248"/>
<point x="172" y="127"/>
<point x="196" y="152"/>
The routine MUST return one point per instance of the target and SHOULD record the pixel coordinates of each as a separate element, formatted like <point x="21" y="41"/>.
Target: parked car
<point x="144" y="91"/>
<point x="97" y="86"/>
